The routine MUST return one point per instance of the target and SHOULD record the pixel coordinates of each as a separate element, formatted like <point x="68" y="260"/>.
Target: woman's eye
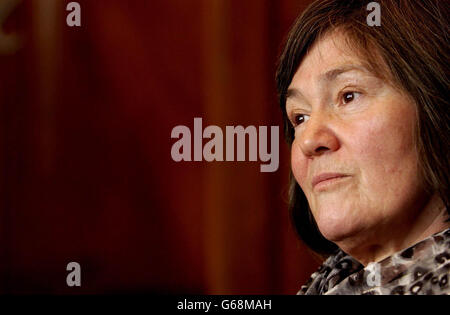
<point x="299" y="119"/>
<point x="347" y="97"/>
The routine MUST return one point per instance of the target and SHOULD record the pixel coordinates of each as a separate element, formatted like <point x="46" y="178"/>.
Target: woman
<point x="366" y="116"/>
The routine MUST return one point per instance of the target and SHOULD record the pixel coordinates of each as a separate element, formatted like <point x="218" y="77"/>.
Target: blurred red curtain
<point x="87" y="175"/>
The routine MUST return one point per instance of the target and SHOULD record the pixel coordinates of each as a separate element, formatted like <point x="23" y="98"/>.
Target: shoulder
<point x="333" y="270"/>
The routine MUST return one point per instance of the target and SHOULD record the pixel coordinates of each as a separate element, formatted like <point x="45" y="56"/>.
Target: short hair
<point x="413" y="46"/>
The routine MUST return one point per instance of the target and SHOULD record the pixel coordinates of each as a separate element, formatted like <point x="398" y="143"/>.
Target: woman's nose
<point x="318" y="136"/>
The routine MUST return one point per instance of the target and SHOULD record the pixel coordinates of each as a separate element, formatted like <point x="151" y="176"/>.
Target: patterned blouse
<point x="423" y="268"/>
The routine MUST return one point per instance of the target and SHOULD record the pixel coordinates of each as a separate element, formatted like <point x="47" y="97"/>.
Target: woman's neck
<point x="386" y="240"/>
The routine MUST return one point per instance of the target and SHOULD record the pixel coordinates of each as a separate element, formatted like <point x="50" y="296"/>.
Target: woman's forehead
<point x="334" y="55"/>
<point x="329" y="52"/>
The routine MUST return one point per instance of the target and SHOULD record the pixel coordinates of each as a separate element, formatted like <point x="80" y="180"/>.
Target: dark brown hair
<point x="412" y="44"/>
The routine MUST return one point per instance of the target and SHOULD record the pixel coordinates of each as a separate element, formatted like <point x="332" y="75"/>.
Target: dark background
<point x="86" y="171"/>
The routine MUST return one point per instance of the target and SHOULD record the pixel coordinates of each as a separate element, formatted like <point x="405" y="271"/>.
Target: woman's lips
<point x="326" y="178"/>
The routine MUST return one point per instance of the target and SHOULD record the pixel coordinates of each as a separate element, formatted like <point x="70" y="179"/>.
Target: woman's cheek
<point x="299" y="165"/>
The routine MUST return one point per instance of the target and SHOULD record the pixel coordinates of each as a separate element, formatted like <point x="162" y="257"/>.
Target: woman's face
<point x="353" y="154"/>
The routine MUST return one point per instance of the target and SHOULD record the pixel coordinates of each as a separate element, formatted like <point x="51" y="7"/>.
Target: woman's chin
<point x="336" y="229"/>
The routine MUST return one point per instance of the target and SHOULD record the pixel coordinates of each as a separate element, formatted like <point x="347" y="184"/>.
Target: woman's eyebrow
<point x="327" y="77"/>
<point x="332" y="74"/>
<point x="294" y="93"/>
